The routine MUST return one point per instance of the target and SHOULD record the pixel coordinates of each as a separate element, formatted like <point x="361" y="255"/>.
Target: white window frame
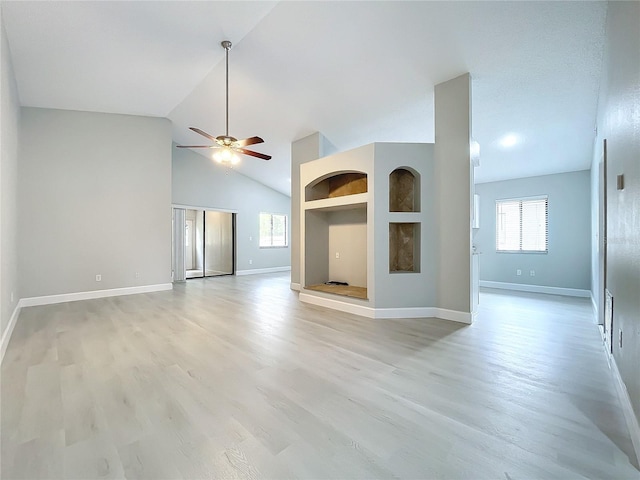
<point x="286" y="230"/>
<point x="522" y="200"/>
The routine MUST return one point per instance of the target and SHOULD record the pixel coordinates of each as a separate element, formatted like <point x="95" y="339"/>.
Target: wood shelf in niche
<point x="404" y="247"/>
<point x="404" y="190"/>
<point x="338" y="185"/>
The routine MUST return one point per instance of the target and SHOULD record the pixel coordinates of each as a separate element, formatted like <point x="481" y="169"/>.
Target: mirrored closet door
<point x="208" y="247"/>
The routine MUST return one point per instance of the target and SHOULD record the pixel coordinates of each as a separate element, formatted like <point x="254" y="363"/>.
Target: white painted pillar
<point x="179" y="271"/>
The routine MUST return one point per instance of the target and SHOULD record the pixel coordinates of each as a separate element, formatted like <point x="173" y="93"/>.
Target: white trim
<point x="594" y="307"/>
<point x="337" y="305"/>
<point x="455" y="315"/>
<point x="567" y="292"/>
<point x="423" y="312"/>
<point x="208" y="209"/>
<point x="6" y="335"/>
<point x="523" y="199"/>
<point x="388" y="313"/>
<point x="73" y="297"/>
<point x="601" y="329"/>
<point x="627" y="407"/>
<point x="295" y="286"/>
<point x="406" y="312"/>
<point x="257" y="271"/>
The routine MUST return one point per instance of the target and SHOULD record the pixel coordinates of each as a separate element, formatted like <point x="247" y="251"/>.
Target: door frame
<point x="602" y="251"/>
<point x="233" y="232"/>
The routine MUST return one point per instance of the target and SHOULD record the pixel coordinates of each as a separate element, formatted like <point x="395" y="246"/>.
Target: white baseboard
<point x="257" y="271"/>
<point x="424" y="312"/>
<point x="388" y="313"/>
<point x="594" y="307"/>
<point x="567" y="292"/>
<point x="295" y="286"/>
<point x="73" y="297"/>
<point x="627" y="408"/>
<point x="334" y="304"/>
<point x="6" y="335"/>
<point x="455" y="315"/>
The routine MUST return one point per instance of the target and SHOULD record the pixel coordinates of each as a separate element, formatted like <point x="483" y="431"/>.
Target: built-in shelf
<point x="337" y="185"/>
<point x="345" y="217"/>
<point x="405" y="217"/>
<point x="338" y="203"/>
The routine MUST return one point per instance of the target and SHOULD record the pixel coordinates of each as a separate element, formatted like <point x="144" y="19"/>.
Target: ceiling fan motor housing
<point x="226" y="140"/>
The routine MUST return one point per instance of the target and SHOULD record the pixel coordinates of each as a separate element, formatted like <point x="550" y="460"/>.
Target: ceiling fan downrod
<point x="226" y="44"/>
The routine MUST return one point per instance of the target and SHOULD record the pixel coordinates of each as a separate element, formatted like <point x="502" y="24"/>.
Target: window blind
<point x="522" y="225"/>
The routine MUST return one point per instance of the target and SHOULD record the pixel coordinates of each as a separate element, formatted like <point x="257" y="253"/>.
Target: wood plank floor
<point x="233" y="377"/>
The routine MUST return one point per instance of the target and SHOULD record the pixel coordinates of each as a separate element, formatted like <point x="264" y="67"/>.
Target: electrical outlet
<point x="250" y="238"/>
<point x="250" y="262"/>
<point x="518" y="272"/>
<point x="532" y="273"/>
<point x="11" y="297"/>
<point x="138" y="275"/>
<point x="98" y="278"/>
<point x="620" y="338"/>
<point x="337" y="254"/>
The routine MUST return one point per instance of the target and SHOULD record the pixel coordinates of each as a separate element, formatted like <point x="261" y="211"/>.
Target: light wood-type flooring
<point x="233" y="377"/>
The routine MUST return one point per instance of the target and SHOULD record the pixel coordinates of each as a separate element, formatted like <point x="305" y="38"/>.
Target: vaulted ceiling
<point x="358" y="72"/>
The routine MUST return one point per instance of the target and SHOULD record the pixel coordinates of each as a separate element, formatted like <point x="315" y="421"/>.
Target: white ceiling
<point x="358" y="72"/>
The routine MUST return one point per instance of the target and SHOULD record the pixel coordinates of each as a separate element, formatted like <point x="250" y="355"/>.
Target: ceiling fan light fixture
<point x="226" y="156"/>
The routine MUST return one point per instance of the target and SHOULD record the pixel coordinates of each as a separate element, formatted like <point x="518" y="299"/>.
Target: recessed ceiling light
<point x="509" y="140"/>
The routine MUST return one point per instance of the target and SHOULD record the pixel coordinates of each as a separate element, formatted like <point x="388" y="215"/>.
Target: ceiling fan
<point x="228" y="147"/>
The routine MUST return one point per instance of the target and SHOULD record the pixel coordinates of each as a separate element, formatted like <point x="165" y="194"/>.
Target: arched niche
<point x="404" y="190"/>
<point x="404" y="247"/>
<point x="336" y="184"/>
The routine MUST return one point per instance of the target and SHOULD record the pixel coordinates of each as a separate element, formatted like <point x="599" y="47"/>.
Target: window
<point x="521" y="225"/>
<point x="273" y="230"/>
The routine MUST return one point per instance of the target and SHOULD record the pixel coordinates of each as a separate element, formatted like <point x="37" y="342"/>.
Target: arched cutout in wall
<point x="404" y="190"/>
<point x="336" y="185"/>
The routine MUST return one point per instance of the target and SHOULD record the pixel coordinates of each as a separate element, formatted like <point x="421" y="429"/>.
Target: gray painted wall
<point x="94" y="197"/>
<point x="567" y="264"/>
<point x="309" y="148"/>
<point x="619" y="123"/>
<point x="316" y="268"/>
<point x="417" y="289"/>
<point x="454" y="182"/>
<point x="348" y="237"/>
<point x="200" y="182"/>
<point x="9" y="120"/>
